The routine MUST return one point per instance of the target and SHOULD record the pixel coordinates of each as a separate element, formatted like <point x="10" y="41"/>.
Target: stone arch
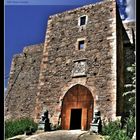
<point x="69" y="85"/>
<point x="77" y="101"/>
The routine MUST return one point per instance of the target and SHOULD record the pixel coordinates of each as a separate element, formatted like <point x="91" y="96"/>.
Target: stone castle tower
<point x="78" y="69"/>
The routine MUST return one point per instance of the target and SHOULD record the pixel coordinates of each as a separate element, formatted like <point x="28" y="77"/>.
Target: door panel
<point x="84" y="119"/>
<point x="77" y="97"/>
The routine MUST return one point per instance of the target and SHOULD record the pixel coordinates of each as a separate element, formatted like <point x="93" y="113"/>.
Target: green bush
<point x="19" y="126"/>
<point x="110" y="128"/>
<point x="113" y="130"/>
<point x="118" y="135"/>
<point x="130" y="126"/>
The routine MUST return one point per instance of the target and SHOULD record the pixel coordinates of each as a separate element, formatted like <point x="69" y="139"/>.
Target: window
<point x="82" y="20"/>
<point x="81" y="45"/>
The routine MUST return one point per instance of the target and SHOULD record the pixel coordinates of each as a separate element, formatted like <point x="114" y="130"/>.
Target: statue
<point x="96" y="124"/>
<point x="47" y="121"/>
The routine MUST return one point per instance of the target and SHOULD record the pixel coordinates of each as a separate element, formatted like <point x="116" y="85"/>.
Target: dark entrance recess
<point x="75" y="121"/>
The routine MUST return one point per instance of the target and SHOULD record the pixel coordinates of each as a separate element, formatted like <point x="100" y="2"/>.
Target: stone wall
<point x="129" y="49"/>
<point x="22" y="85"/>
<point x="60" y="53"/>
<point x="125" y="58"/>
<point x="129" y="56"/>
<point x="120" y="66"/>
<point x="131" y="30"/>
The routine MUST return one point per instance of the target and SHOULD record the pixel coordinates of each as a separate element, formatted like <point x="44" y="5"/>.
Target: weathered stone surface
<point x="130" y="29"/>
<point x="100" y="53"/>
<point x="23" y="81"/>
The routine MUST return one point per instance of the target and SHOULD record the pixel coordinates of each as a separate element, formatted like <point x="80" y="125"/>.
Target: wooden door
<point x="77" y="97"/>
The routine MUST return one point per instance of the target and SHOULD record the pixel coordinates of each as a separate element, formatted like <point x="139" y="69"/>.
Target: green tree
<point x="130" y="96"/>
<point x="130" y="91"/>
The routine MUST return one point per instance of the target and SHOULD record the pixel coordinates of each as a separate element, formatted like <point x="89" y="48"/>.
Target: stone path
<point x="87" y="136"/>
<point x="57" y="135"/>
<point x="61" y="135"/>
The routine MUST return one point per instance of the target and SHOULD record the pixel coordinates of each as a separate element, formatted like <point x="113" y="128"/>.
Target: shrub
<point x="130" y="126"/>
<point x="19" y="126"/>
<point x="110" y="128"/>
<point x="113" y="130"/>
<point x="118" y="135"/>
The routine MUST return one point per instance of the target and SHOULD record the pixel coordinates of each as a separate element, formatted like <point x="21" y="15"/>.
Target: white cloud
<point x="5" y="89"/>
<point x="130" y="9"/>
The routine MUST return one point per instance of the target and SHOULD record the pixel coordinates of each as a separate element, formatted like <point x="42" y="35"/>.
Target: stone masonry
<point x="41" y="76"/>
<point x="60" y="52"/>
<point x="23" y="81"/>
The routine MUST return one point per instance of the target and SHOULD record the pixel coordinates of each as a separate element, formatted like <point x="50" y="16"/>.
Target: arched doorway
<point x="77" y="108"/>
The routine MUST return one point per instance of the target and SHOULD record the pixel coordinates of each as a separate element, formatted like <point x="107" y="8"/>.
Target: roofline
<point x="79" y="8"/>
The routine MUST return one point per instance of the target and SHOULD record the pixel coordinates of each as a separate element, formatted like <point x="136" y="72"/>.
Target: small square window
<point x="81" y="45"/>
<point x="82" y="20"/>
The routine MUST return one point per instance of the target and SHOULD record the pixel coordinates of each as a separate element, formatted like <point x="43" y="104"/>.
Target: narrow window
<point x="81" y="45"/>
<point x="82" y="20"/>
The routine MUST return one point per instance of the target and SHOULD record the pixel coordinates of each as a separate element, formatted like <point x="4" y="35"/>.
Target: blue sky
<point x="49" y="2"/>
<point x="26" y="25"/>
